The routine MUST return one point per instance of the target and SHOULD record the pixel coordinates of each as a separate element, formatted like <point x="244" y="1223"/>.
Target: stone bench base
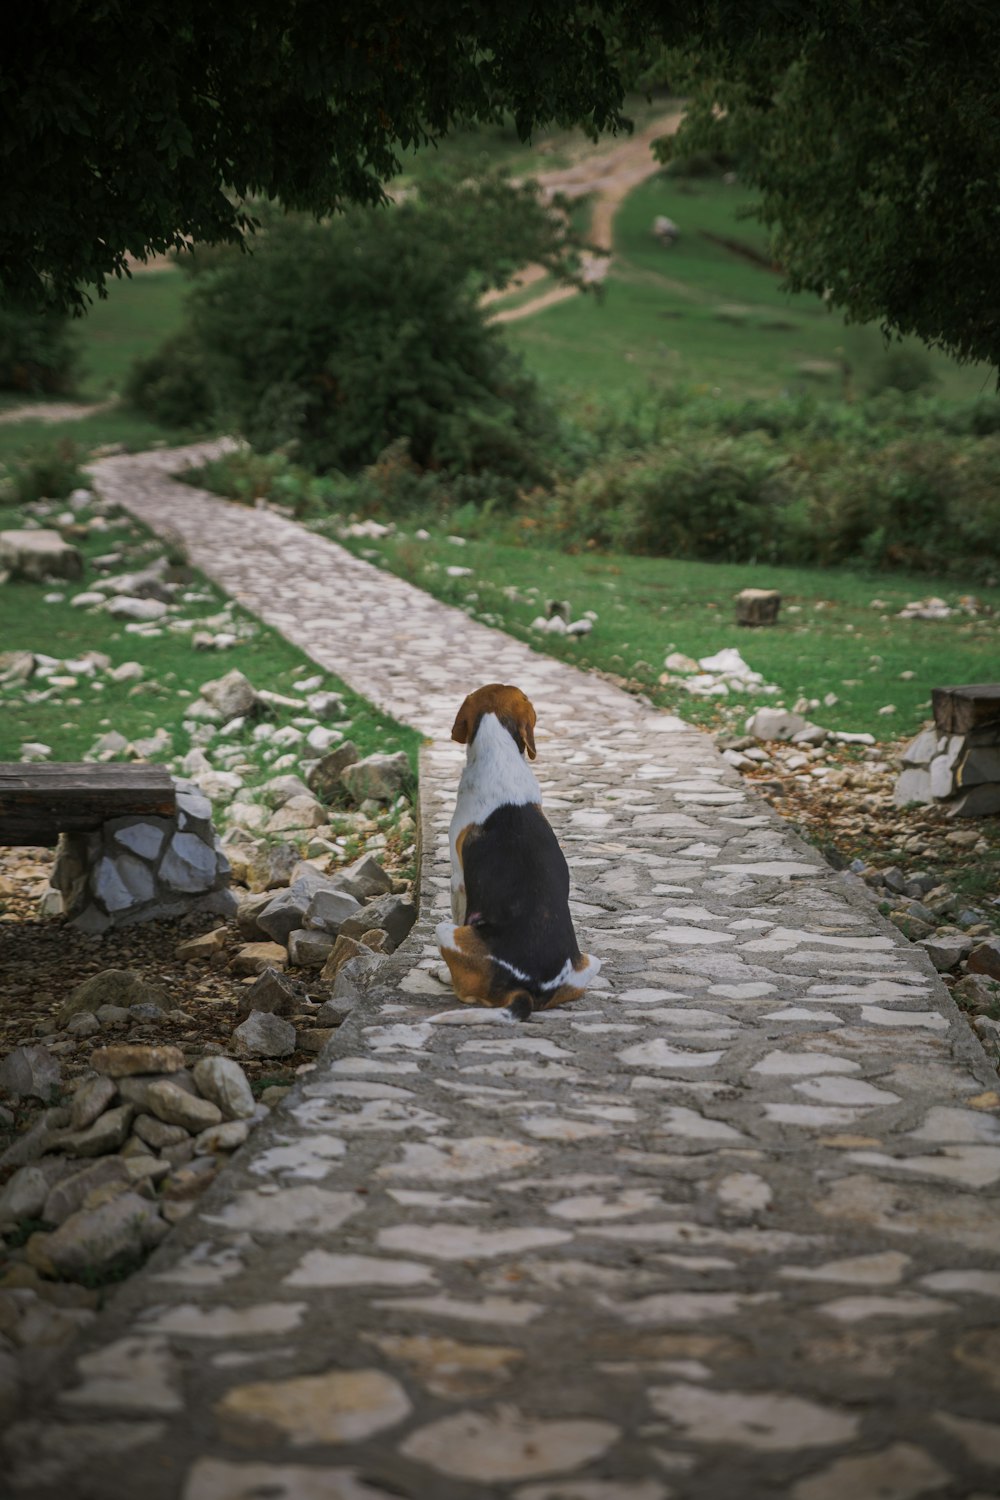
<point x="141" y="869"/>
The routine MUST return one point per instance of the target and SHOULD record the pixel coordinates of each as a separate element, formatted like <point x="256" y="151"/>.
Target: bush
<point x="904" y="370"/>
<point x="38" y="352"/>
<point x="47" y="473"/>
<point x="721" y="500"/>
<point x="173" y="386"/>
<point x="896" y="482"/>
<point x="333" y="341"/>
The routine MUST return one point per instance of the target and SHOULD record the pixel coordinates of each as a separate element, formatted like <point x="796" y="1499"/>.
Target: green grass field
<point x="70" y="720"/>
<point x="829" y="638"/>
<point x="130" y="323"/>
<point x="135" y="318"/>
<point x="704" y="316"/>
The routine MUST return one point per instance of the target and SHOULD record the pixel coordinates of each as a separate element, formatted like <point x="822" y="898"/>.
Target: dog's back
<point x="515" y="945"/>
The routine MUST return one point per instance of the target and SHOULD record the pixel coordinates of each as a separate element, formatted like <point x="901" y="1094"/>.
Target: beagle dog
<point x="512" y="944"/>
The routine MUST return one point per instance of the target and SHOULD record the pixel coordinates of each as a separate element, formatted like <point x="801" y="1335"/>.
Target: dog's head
<point x="511" y="707"/>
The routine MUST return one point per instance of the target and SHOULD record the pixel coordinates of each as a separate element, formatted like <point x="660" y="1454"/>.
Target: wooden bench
<point x="40" y="801"/>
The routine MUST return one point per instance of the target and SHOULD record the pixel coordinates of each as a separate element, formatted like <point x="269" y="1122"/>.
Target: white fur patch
<point x="496" y="775"/>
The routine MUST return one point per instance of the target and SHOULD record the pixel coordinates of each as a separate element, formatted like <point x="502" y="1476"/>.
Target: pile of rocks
<point x="714" y="676"/>
<point x="140" y="869"/>
<point x="108" y="1172"/>
<point x="934" y="608"/>
<point x="783" y="725"/>
<point x="317" y="922"/>
<point x="557" y="619"/>
<point x="99" y="1180"/>
<point x="960" y="943"/>
<point x="956" y="761"/>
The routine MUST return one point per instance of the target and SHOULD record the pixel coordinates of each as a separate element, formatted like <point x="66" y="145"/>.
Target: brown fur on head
<point x="511" y="707"/>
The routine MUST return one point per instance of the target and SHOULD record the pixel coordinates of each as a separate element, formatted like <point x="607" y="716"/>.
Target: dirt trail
<point x="608" y="177"/>
<point x="58" y="411"/>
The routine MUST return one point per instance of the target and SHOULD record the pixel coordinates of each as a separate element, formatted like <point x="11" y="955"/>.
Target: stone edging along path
<point x="724" y="1230"/>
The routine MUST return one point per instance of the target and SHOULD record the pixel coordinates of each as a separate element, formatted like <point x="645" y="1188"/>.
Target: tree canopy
<point x="868" y="126"/>
<point x="127" y="129"/>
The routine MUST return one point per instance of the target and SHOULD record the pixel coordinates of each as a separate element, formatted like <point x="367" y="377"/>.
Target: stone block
<point x="263" y="1034"/>
<point x="143" y="837"/>
<point x="90" y="1100"/>
<point x="127" y="1059"/>
<point x="775" y="724"/>
<point x="985" y="958"/>
<point x="224" y="1082"/>
<point x="225" y="1137"/>
<point x="308" y="949"/>
<point x="283" y="914"/>
<point x="157" y="1133"/>
<point x="921" y="750"/>
<point x="274" y="991"/>
<point x="174" y="1106"/>
<point x="328" y="910"/>
<point x="395" y="914"/>
<point x="946" y="950"/>
<point x="343" y="949"/>
<point x="23" y="1197"/>
<point x="254" y="958"/>
<point x="106" y="1134"/>
<point x="314" y="1038"/>
<point x="69" y="1195"/>
<point x="981" y="763"/>
<point x="297" y="812"/>
<point x="188" y="865"/>
<point x="757" y="606"/>
<point x="29" y="1073"/>
<point x="97" y="1240"/>
<point x="912" y="785"/>
<point x="978" y="993"/>
<point x="367" y="875"/>
<point x="380" y="777"/>
<point x="249" y="910"/>
<point x="38" y="554"/>
<point x="202" y="947"/>
<point x="137" y="1088"/>
<point x="325" y="777"/>
<point x="232" y="695"/>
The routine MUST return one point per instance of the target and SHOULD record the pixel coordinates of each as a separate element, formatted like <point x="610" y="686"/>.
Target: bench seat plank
<point x="38" y="801"/>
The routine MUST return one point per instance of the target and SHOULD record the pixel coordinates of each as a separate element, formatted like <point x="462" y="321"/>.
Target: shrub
<point x="902" y="369"/>
<point x="49" y="472"/>
<point x="173" y="386"/>
<point x="38" y="352"/>
<point x="333" y="341"/>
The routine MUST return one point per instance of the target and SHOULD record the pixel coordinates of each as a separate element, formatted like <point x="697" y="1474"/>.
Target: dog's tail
<point x="521" y="1004"/>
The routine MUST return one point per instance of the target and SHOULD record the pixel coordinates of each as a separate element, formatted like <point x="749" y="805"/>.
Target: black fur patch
<point x="517" y="884"/>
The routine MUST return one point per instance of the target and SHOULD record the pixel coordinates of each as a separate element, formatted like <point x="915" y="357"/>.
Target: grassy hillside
<point x="706" y="314"/>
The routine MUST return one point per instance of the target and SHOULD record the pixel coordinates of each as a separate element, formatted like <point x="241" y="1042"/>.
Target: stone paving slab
<point x="726" y="1229"/>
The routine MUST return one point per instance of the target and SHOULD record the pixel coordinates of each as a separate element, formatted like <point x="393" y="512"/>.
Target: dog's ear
<point x="526" y="720"/>
<point x="464" y="726"/>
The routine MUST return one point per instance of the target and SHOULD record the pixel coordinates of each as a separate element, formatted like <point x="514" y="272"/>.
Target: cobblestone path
<point x="724" y="1230"/>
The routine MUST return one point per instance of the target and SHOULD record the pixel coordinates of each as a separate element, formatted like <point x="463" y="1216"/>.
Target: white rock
<point x="122" y="607"/>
